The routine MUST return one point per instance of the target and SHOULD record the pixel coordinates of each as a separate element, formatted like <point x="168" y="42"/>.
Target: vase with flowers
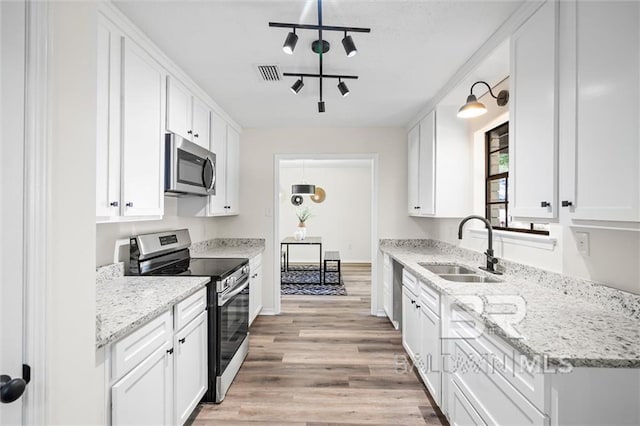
<point x="303" y="214"/>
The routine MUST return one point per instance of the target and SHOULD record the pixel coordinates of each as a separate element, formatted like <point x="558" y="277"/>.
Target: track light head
<point x="344" y="90"/>
<point x="321" y="106"/>
<point x="349" y="45"/>
<point x="297" y="86"/>
<point x="290" y="42"/>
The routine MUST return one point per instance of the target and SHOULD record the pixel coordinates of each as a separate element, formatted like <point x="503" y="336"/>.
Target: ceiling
<point x="413" y="49"/>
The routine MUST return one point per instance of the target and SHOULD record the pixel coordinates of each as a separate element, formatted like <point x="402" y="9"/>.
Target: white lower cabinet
<point x="387" y="288"/>
<point x="255" y="287"/>
<point x="480" y="379"/>
<point x="143" y="396"/>
<point x="157" y="374"/>
<point x="190" y="384"/>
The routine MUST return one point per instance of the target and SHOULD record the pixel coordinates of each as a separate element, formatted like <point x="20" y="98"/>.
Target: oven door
<point x="233" y="327"/>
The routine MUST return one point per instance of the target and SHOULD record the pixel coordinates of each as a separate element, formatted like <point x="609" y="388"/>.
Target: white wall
<point x="257" y="198"/>
<point x="107" y="234"/>
<point x="343" y="220"/>
<point x="73" y="383"/>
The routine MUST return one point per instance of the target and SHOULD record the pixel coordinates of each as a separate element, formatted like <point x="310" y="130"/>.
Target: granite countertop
<point x="229" y="247"/>
<point x="557" y="325"/>
<point x="126" y="303"/>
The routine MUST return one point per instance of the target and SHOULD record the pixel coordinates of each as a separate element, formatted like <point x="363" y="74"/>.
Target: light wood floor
<point x="325" y="361"/>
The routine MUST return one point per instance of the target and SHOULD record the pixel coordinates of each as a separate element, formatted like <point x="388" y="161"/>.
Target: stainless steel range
<point x="167" y="253"/>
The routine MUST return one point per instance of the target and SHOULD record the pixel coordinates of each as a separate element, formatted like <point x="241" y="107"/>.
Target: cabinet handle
<point x="545" y="204"/>
<point x="170" y="351"/>
<point x="190" y="132"/>
<point x="413" y="302"/>
<point x="129" y="204"/>
<point x="195" y="136"/>
<point x="417" y="306"/>
<point x="418" y="207"/>
<point x="567" y="204"/>
<point x="114" y="204"/>
<point x="182" y="340"/>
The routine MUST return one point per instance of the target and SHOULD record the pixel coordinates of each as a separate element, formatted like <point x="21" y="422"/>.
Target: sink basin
<point x="460" y="278"/>
<point x="447" y="269"/>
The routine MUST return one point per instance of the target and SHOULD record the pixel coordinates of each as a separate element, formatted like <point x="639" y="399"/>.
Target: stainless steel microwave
<point x="189" y="168"/>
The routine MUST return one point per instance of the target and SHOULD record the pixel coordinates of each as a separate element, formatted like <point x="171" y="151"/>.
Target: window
<point x="497" y="184"/>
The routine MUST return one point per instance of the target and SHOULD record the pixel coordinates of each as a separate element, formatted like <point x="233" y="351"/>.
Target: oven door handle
<point x="225" y="297"/>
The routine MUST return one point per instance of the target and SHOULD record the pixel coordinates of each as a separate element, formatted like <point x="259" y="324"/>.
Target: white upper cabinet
<point x="233" y="171"/>
<point x="533" y="125"/>
<point x="187" y="115"/>
<point x="130" y="128"/>
<point x="439" y="166"/>
<point x="607" y="143"/>
<point x="218" y="201"/>
<point x="142" y="132"/>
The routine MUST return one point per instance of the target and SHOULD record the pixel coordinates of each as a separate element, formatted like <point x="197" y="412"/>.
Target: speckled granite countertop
<point x="228" y="247"/>
<point x="558" y="324"/>
<point x="124" y="304"/>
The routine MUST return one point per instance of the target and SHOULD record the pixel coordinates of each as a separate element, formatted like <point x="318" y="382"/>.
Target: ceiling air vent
<point x="269" y="72"/>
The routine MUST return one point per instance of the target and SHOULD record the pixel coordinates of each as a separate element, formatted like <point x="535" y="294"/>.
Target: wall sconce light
<point x="473" y="108"/>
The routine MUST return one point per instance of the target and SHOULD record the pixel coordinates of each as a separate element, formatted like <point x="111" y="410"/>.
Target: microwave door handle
<point x="208" y="174"/>
<point x="224" y="298"/>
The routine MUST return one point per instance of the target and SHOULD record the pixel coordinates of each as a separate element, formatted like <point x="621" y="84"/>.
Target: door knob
<point x="11" y="389"/>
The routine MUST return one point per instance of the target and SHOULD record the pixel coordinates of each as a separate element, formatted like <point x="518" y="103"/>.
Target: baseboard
<point x="267" y="312"/>
<point x="381" y="313"/>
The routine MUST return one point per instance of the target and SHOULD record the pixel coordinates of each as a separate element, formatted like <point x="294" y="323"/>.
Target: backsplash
<point x="616" y="300"/>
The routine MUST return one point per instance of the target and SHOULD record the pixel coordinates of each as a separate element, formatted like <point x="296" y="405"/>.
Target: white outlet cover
<point x="582" y="241"/>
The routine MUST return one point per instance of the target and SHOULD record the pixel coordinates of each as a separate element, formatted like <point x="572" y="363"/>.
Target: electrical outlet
<point x="582" y="241"/>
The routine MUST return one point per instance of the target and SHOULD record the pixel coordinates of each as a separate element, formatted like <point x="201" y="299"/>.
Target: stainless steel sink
<point x="460" y="278"/>
<point x="447" y="269"/>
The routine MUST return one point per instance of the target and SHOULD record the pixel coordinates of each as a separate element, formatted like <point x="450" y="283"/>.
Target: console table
<point x="307" y="241"/>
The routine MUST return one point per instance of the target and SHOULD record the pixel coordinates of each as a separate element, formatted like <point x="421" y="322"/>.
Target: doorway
<point x="351" y="248"/>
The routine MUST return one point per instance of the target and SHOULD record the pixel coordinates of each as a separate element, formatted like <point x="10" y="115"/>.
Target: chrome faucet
<point x="491" y="260"/>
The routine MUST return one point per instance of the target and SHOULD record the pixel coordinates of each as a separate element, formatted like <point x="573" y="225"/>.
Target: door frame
<point x="36" y="207"/>
<point x="373" y="158"/>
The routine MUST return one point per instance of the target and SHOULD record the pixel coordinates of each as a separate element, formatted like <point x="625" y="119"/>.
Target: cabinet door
<point x="108" y="122"/>
<point x="409" y="323"/>
<point x="533" y="126"/>
<point x="413" y="166"/>
<point x="255" y="290"/>
<point x="461" y="411"/>
<point x="178" y="109"/>
<point x="607" y="154"/>
<point x="201" y="117"/>
<point x="427" y="166"/>
<point x="233" y="171"/>
<point x="190" y="367"/>
<point x="144" y="396"/>
<point x="218" y="201"/>
<point x="431" y="353"/>
<point x="143" y="141"/>
<point x="387" y="288"/>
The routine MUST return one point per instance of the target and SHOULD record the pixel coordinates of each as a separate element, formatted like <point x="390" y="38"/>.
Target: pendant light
<point x="303" y="188"/>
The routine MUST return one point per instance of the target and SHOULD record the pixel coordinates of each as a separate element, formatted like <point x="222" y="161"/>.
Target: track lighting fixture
<point x="297" y="86"/>
<point x="342" y="87"/>
<point x="349" y="45"/>
<point x="473" y="108"/>
<point x="320" y="47"/>
<point x="290" y="42"/>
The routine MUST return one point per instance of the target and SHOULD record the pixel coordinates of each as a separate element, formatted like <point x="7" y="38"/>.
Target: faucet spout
<point x="491" y="261"/>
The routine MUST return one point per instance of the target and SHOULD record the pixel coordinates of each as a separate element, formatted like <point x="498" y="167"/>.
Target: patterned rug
<point x="303" y="280"/>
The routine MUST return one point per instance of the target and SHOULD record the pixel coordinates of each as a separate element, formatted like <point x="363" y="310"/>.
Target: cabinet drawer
<point x="410" y="281"/>
<point x="498" y="401"/>
<point x="190" y="308"/>
<point x="430" y="298"/>
<point x="134" y="348"/>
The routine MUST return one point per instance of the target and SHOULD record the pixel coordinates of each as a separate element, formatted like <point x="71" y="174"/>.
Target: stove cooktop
<point x="216" y="268"/>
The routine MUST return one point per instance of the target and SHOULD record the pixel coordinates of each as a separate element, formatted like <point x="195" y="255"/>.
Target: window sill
<point x="543" y="242"/>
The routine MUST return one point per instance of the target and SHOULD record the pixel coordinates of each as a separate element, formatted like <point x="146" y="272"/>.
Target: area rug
<point x="303" y="280"/>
